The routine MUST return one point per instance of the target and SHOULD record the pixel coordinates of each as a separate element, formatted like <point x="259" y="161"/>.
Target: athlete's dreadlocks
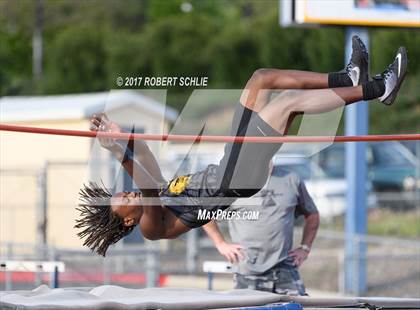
<point x="101" y="226"/>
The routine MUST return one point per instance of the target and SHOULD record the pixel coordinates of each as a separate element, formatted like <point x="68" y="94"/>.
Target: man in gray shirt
<point x="262" y="248"/>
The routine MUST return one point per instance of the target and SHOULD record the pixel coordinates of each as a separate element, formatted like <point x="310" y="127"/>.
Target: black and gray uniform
<point x="268" y="241"/>
<point x="242" y="172"/>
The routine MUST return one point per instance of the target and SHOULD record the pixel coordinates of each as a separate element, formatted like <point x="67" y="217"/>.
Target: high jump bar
<point x="194" y="138"/>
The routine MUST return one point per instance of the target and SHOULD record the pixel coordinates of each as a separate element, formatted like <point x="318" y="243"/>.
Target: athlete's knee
<point x="261" y="78"/>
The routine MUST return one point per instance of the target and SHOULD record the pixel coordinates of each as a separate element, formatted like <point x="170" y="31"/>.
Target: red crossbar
<point x="193" y="138"/>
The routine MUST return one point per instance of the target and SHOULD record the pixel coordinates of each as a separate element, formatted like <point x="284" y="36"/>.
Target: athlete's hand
<point x="233" y="252"/>
<point x="102" y="123"/>
<point x="299" y="256"/>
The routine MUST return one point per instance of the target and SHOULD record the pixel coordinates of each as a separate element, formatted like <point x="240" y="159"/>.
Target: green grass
<point x="383" y="222"/>
<point x="398" y="224"/>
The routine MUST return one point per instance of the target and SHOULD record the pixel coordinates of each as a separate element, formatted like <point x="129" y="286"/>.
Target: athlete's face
<point x="127" y="205"/>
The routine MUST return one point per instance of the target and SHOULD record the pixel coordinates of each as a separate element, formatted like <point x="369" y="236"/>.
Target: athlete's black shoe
<point x="358" y="67"/>
<point x="393" y="76"/>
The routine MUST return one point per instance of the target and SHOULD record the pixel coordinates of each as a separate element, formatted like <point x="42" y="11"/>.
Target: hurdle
<point x="212" y="267"/>
<point x="52" y="267"/>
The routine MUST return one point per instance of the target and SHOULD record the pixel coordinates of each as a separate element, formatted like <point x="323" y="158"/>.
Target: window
<point x="332" y="161"/>
<point x="389" y="154"/>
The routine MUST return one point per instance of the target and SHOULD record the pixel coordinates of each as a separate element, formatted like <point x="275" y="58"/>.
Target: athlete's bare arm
<point x="156" y="221"/>
<point x="139" y="148"/>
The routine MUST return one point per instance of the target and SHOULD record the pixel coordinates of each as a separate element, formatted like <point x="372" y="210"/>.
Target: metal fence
<point x="37" y="210"/>
<point x="393" y="265"/>
<point x="136" y="266"/>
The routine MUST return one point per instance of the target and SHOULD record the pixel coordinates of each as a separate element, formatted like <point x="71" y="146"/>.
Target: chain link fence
<point x="37" y="211"/>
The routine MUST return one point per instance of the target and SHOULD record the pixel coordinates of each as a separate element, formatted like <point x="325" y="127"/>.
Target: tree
<point x="74" y="61"/>
<point x="15" y="60"/>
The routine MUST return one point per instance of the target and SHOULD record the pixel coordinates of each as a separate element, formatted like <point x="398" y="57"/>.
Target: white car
<point x="329" y="194"/>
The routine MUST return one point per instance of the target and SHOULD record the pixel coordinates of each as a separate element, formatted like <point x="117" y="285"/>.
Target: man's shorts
<point x="282" y="279"/>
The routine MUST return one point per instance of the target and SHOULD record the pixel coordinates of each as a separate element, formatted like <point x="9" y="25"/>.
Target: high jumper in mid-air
<point x="168" y="209"/>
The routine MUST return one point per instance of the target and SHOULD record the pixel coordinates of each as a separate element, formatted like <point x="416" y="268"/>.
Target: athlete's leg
<point x="244" y="168"/>
<point x="260" y="86"/>
<point x="258" y="90"/>
<point x="252" y="162"/>
<point x="384" y="87"/>
<point x="245" y="165"/>
<point x="279" y="112"/>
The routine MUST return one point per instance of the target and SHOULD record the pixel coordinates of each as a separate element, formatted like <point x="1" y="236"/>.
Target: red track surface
<point x="155" y="137"/>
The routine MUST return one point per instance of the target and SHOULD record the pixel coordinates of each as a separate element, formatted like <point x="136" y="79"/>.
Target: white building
<point x="23" y="156"/>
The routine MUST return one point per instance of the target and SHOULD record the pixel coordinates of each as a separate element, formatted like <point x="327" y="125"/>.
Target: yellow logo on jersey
<point x="178" y="185"/>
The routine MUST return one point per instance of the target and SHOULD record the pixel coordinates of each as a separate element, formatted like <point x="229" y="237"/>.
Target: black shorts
<point x="242" y="172"/>
<point x="244" y="168"/>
